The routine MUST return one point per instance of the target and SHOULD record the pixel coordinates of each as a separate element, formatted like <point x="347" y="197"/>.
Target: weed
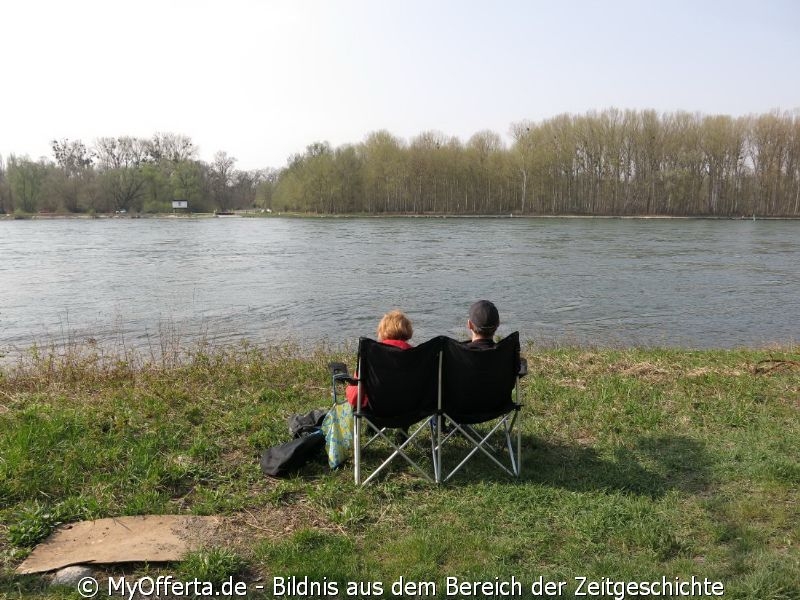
<point x="33" y="521"/>
<point x="214" y="565"/>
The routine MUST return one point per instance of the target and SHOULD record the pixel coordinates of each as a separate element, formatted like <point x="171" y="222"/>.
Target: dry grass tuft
<point x="642" y="370"/>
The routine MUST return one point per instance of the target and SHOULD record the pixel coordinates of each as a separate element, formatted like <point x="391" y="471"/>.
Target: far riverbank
<point x="257" y="213"/>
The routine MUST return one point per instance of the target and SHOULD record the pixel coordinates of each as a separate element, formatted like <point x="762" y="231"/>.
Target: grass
<point x="637" y="465"/>
<point x="214" y="565"/>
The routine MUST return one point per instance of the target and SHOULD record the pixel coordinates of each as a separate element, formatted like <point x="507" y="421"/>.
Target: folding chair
<point x="479" y="385"/>
<point x="401" y="390"/>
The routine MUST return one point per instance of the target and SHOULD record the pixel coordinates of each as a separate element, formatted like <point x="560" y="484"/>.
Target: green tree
<point x="319" y="178"/>
<point x="26" y="179"/>
<point x="769" y="146"/>
<point x="122" y="176"/>
<point x="74" y="174"/>
<point x="722" y="141"/>
<point x="428" y="172"/>
<point x="157" y="193"/>
<point x="484" y="154"/>
<point x="6" y="204"/>
<point x="793" y="167"/>
<point x="349" y="173"/>
<point x="524" y="157"/>
<point x="187" y="182"/>
<point x="385" y="171"/>
<point x="265" y="190"/>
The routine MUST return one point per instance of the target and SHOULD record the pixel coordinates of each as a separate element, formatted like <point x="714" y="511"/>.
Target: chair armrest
<point x="339" y="372"/>
<point x="337" y="368"/>
<point x="523" y="367"/>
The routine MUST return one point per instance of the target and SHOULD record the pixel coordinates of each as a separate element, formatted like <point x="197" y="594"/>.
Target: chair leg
<point x="519" y="449"/>
<point x="434" y="454"/>
<point x="357" y="448"/>
<point x="510" y="445"/>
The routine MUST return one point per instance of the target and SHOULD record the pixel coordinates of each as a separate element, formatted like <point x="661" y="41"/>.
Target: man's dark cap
<point x="484" y="315"/>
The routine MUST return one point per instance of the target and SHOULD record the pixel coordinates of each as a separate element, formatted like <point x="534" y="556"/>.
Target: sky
<point x="261" y="79"/>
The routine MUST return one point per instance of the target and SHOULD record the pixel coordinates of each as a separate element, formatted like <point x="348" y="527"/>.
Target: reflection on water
<point x="599" y="281"/>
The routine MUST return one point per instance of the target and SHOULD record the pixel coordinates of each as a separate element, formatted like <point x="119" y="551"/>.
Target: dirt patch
<point x="585" y="439"/>
<point x="271" y="522"/>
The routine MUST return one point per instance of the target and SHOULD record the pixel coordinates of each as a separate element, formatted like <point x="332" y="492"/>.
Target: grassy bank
<point x="637" y="465"/>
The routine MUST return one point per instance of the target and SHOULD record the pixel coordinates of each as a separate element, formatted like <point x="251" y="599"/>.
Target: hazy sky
<point x="263" y="79"/>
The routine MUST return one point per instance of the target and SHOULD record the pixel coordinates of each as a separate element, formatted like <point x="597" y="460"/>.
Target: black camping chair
<point x="480" y="385"/>
<point x="401" y="387"/>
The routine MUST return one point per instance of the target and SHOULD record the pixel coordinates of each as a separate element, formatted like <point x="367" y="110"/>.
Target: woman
<point x="394" y="330"/>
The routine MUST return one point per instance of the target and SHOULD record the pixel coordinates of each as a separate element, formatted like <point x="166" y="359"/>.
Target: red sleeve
<point x="351" y="392"/>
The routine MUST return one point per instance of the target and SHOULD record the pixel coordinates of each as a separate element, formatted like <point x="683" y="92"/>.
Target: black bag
<point x="307" y="423"/>
<point x="282" y="460"/>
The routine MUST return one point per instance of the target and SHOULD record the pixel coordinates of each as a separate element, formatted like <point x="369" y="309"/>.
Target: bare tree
<point x="172" y="147"/>
<point x="221" y="178"/>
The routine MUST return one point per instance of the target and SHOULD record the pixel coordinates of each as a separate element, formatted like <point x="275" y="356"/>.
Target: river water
<point x="606" y="282"/>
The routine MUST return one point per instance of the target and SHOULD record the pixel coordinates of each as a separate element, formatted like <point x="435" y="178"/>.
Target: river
<point x="604" y="282"/>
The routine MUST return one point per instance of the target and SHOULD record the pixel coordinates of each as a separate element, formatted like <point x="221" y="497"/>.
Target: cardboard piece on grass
<point x="148" y="538"/>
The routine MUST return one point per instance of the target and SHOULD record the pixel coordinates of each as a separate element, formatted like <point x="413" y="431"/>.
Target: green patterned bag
<point x="338" y="429"/>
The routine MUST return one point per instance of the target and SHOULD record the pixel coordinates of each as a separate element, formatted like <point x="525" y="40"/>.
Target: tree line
<point x="127" y="174"/>
<point x="613" y="162"/>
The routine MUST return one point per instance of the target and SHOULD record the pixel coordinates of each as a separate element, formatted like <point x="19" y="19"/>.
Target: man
<point x="483" y="323"/>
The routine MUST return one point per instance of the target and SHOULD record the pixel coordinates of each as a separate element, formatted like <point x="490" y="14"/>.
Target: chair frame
<point x="380" y="433"/>
<point x="507" y="423"/>
<point x="365" y="431"/>
<point x="364" y="427"/>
